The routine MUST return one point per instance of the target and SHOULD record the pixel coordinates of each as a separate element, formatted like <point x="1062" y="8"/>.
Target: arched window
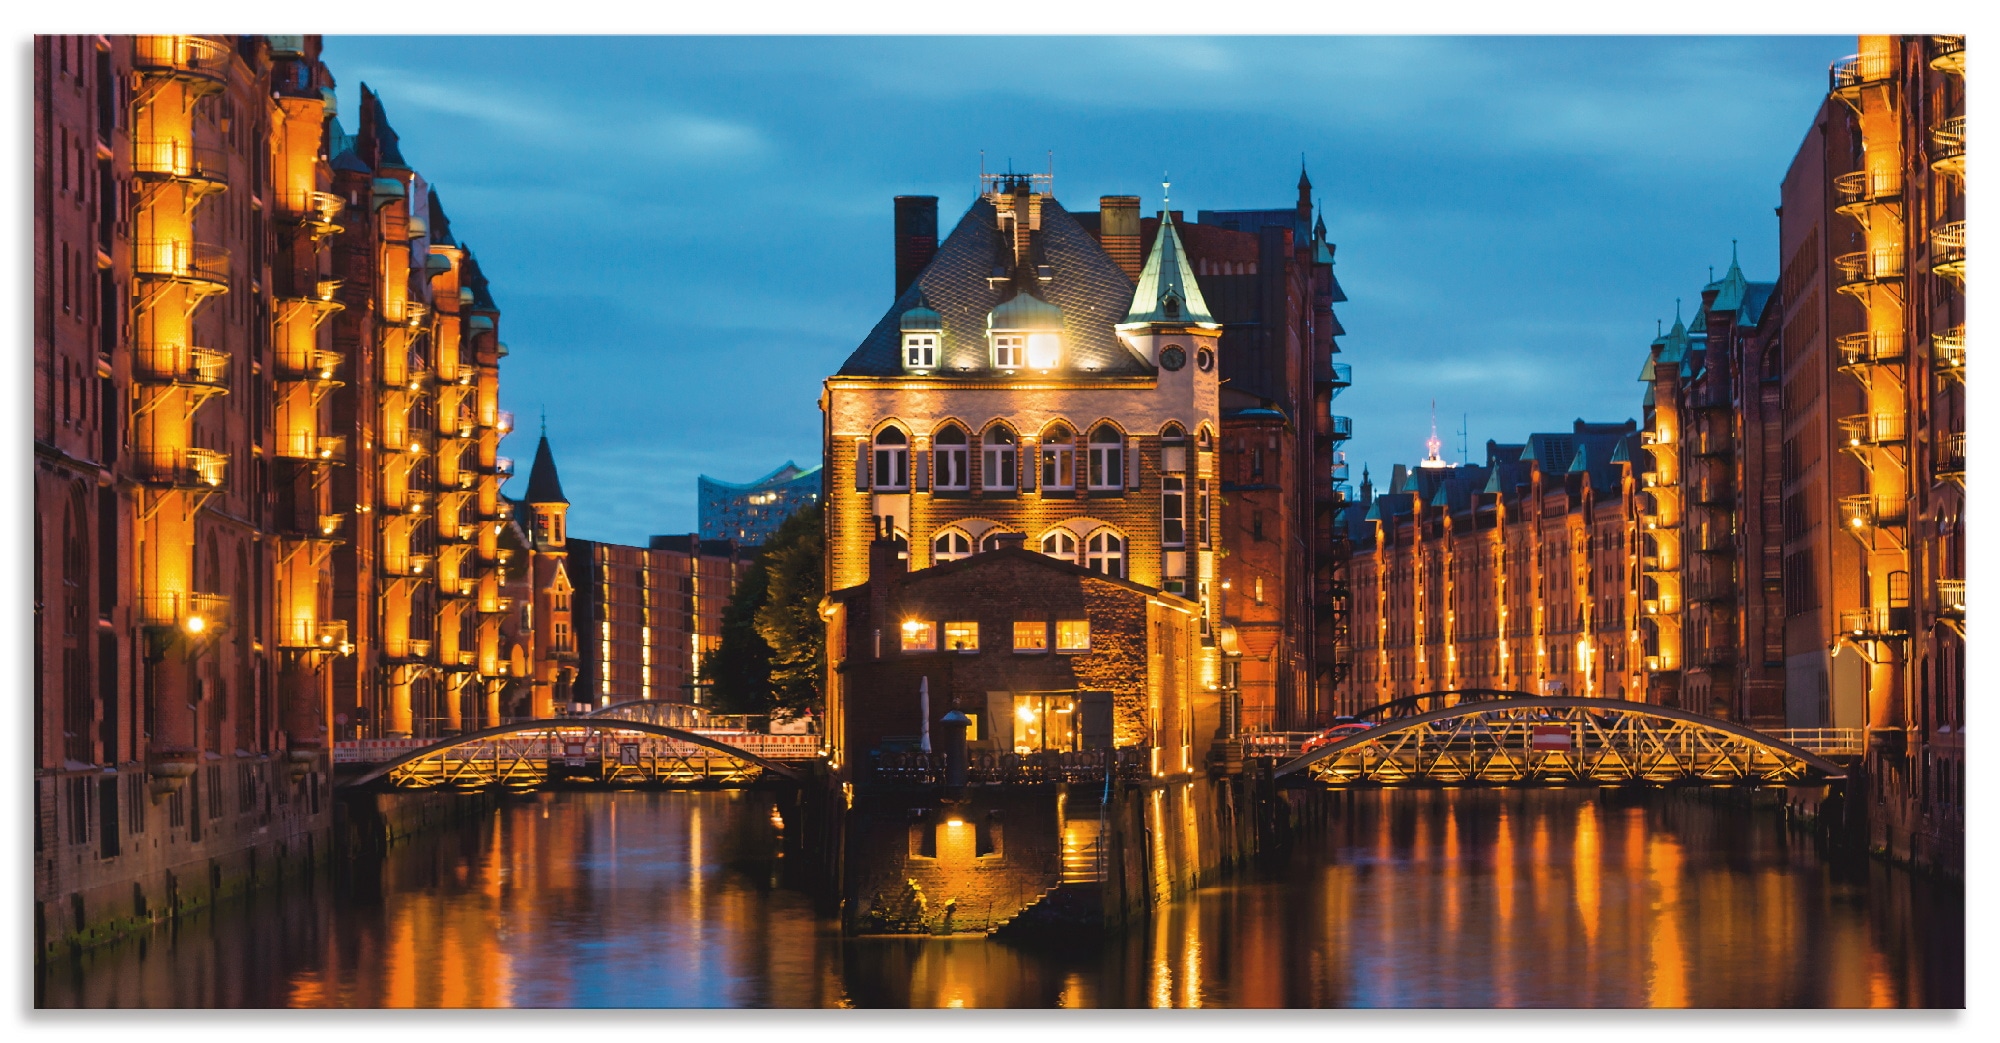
<point x="1107" y="553"/>
<point x="1173" y="432"/>
<point x="996" y="465"/>
<point x="1202" y="440"/>
<point x="1107" y="458"/>
<point x="991" y="541"/>
<point x="892" y="459"/>
<point x="950" y="545"/>
<point x="953" y="455"/>
<point x="1060" y="544"/>
<point x="1058" y="458"/>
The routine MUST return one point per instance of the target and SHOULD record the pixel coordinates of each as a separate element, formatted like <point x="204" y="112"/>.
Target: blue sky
<point x="685" y="235"/>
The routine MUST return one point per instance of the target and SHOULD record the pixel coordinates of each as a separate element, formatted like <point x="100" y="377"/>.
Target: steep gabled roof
<point x="1089" y="287"/>
<point x="1167" y="291"/>
<point x="543" y="485"/>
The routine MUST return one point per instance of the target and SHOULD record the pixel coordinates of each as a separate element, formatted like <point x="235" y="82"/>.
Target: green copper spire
<point x="1167" y="291"/>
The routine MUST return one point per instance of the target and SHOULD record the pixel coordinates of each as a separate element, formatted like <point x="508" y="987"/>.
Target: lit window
<point x="920" y="350"/>
<point x="1107" y="458"/>
<point x="1072" y="635"/>
<point x="1031" y="637"/>
<point x="1008" y="351"/>
<point x="1058" y="459"/>
<point x="919" y="636"/>
<point x="1060" y="544"/>
<point x="996" y="471"/>
<point x="892" y="459"/>
<point x="1173" y="509"/>
<point x="962" y="636"/>
<point x="953" y="473"/>
<point x="950" y="545"/>
<point x="1106" y="554"/>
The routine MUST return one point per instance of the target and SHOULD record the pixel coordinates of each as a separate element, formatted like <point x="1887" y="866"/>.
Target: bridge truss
<point x="1555" y="740"/>
<point x="607" y="751"/>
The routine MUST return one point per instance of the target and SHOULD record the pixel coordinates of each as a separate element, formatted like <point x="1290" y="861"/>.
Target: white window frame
<point x="1106" y="547"/>
<point x="1060" y="537"/>
<point x="1010" y="351"/>
<point x="1059" y="466"/>
<point x="891" y="465"/>
<point x="1173" y="511"/>
<point x="920" y="351"/>
<point x="1001" y="459"/>
<point x="1107" y="465"/>
<point x="953" y="463"/>
<point x="961" y="548"/>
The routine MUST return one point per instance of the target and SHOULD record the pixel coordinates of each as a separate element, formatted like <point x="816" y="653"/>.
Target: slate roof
<point x="1092" y="291"/>
<point x="543" y="485"/>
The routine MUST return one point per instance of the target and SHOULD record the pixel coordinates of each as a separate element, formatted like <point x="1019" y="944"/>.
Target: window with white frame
<point x="1010" y="350"/>
<point x="1106" y="553"/>
<point x="953" y="456"/>
<point x="950" y="545"/>
<point x="1060" y="544"/>
<point x="1173" y="511"/>
<point x="920" y="350"/>
<point x="1201" y="510"/>
<point x="1058" y="459"/>
<point x="892" y="459"/>
<point x="991" y="541"/>
<point x="1107" y="458"/>
<point x="997" y="459"/>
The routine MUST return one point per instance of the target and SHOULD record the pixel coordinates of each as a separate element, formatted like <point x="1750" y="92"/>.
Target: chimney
<point x="1118" y="232"/>
<point x="916" y="237"/>
<point x="885" y="560"/>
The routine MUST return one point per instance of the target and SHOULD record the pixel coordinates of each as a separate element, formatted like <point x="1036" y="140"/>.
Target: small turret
<point x="545" y="496"/>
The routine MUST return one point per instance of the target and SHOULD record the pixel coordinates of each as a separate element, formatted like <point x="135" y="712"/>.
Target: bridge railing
<point x="1827" y="742"/>
<point x="1280" y="745"/>
<point x="999" y="769"/>
<point x="769" y="747"/>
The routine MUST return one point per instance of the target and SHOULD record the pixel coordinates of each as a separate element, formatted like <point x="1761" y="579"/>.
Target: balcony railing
<point x="312" y="207"/>
<point x="184" y="468"/>
<point x="1948" y="145"/>
<point x="1343" y="376"/>
<point x="1948" y="249"/>
<point x="1951" y="598"/>
<point x="1871" y="348"/>
<point x="181" y="261"/>
<point x="1948" y="459"/>
<point x="498" y="606"/>
<point x="1856" y="71"/>
<point x="193" y="613"/>
<point x="198" y="57"/>
<point x="318" y="366"/>
<point x="1870" y="266"/>
<point x="167" y="159"/>
<point x="1708" y="396"/>
<point x="1712" y="590"/>
<point x="408" y="648"/>
<point x="173" y="364"/>
<point x="1714" y="443"/>
<point x="1868" y="186"/>
<point x="1873" y="429"/>
<point x="1875" y="621"/>
<point x="1865" y="511"/>
<point x="462" y="589"/>
<point x="503" y="421"/>
<point x="1342" y="427"/>
<point x="299" y="445"/>
<point x="503" y="466"/>
<point x="326" y="634"/>
<point x="1948" y="353"/>
<point x="1948" y="54"/>
<point x="406" y="564"/>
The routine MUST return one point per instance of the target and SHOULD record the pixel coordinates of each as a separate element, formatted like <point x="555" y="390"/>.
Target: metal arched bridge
<point x="1518" y="738"/>
<point x="614" y="750"/>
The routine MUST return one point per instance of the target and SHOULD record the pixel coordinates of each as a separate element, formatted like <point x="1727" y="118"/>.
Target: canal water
<point x="1454" y="898"/>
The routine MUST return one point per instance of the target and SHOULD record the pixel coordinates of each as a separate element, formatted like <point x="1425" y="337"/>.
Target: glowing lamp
<point x="911" y="626"/>
<point x="954" y="821"/>
<point x="195" y="624"/>
<point x="1044" y="350"/>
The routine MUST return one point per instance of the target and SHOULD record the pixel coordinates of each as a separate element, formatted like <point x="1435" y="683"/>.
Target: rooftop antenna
<point x="1464" y="426"/>
<point x="545" y="421"/>
<point x="1166" y="196"/>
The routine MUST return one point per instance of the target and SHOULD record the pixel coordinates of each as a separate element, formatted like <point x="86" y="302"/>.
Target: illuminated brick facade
<point x="646" y="615"/>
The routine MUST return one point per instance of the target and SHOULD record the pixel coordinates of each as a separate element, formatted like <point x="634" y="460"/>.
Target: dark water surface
<point x="1458" y="898"/>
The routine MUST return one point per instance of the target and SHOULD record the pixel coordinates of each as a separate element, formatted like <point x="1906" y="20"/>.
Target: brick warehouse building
<point x="1518" y="574"/>
<point x="255" y="459"/>
<point x="1873" y="305"/>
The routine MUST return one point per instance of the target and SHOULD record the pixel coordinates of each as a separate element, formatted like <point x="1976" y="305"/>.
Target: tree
<point x="789" y="619"/>
<point x="773" y="650"/>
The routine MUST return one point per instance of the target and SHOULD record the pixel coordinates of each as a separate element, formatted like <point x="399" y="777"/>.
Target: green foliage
<point x="772" y="654"/>
<point x="789" y="619"/>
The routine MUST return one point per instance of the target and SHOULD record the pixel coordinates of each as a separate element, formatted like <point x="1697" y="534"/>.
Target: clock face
<point x="1173" y="356"/>
<point x="1204" y="360"/>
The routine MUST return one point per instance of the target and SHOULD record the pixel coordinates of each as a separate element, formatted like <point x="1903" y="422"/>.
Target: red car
<point x="1335" y="734"/>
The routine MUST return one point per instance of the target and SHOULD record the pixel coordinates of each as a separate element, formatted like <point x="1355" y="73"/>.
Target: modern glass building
<point x="750" y="513"/>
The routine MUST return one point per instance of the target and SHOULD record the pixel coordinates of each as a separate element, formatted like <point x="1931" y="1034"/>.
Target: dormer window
<point x="1009" y="351"/>
<point x="920" y="351"/>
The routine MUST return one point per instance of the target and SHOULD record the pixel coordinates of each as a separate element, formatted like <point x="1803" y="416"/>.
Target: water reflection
<point x="1442" y="898"/>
